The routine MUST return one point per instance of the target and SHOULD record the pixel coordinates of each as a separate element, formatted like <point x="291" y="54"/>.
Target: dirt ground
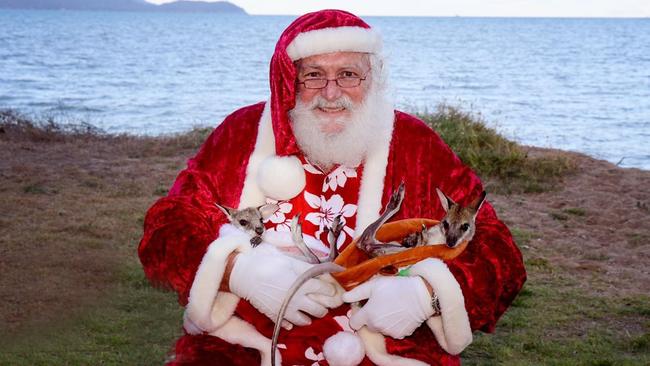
<point x="71" y="212"/>
<point x="71" y="217"/>
<point x="596" y="227"/>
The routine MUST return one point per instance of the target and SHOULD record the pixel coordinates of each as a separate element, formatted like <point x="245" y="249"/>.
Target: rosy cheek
<point x="306" y="95"/>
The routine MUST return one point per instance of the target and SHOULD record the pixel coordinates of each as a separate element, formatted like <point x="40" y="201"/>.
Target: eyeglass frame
<point x="336" y="80"/>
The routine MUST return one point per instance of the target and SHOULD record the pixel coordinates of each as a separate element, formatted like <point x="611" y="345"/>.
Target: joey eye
<point x="243" y="222"/>
<point x="445" y="225"/>
<point x="464" y="227"/>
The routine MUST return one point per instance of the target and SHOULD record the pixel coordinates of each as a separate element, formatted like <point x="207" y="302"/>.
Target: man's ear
<point x="445" y="200"/>
<point x="268" y="210"/>
<point x="226" y="211"/>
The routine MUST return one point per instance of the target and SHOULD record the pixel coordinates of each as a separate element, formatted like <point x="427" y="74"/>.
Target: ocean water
<point x="573" y="84"/>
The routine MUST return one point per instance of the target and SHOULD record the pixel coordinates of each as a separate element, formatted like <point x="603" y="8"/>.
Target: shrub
<point x="503" y="164"/>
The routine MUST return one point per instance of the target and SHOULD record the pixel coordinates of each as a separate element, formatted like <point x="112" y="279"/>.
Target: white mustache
<point x="342" y="102"/>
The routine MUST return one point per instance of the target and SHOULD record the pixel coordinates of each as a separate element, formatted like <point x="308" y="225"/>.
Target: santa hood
<point x="320" y="32"/>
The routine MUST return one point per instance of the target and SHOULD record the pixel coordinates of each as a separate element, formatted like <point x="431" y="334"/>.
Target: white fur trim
<point x="281" y="177"/>
<point x="206" y="310"/>
<point x="372" y="180"/>
<point x="343" y="349"/>
<point x="251" y="194"/>
<point x="211" y="311"/>
<point x="339" y="39"/>
<point x="283" y="240"/>
<point x="451" y="329"/>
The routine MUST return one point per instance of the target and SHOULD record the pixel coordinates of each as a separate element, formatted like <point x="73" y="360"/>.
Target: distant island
<point x="181" y="6"/>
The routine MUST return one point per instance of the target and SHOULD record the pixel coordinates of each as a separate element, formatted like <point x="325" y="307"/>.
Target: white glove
<point x="396" y="305"/>
<point x="263" y="275"/>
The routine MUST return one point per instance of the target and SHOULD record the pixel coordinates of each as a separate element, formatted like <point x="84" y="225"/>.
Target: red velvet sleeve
<point x="490" y="271"/>
<point x="179" y="227"/>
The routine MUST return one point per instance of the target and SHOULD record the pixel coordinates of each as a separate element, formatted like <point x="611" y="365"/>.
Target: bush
<point x="504" y="165"/>
<point x="16" y="126"/>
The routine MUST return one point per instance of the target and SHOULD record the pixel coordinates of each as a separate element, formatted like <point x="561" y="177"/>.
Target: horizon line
<point x="478" y="16"/>
<point x="246" y="13"/>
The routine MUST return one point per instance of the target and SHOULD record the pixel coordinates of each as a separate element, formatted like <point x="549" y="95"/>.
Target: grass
<point x="78" y="196"/>
<point x="558" y="216"/>
<point x="575" y="211"/>
<point x="45" y="129"/>
<point x="522" y="237"/>
<point x="638" y="240"/>
<point x="136" y="325"/>
<point x="506" y="165"/>
<point x="552" y="322"/>
<point x="18" y="127"/>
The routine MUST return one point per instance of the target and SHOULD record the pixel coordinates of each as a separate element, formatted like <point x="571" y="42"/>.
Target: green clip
<point x="405" y="272"/>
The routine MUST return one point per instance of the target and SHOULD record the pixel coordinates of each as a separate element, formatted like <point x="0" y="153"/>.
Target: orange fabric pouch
<point x="360" y="267"/>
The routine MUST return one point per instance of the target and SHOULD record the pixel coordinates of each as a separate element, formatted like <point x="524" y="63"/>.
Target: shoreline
<point x="75" y="126"/>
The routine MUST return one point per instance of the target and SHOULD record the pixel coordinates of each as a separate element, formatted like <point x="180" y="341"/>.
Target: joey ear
<point x="268" y="210"/>
<point x="478" y="202"/>
<point x="226" y="210"/>
<point x="445" y="200"/>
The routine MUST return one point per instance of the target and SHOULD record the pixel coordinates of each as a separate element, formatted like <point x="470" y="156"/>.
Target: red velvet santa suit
<point x="253" y="156"/>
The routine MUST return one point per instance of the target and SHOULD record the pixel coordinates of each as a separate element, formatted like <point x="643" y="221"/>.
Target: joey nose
<point x="259" y="230"/>
<point x="451" y="242"/>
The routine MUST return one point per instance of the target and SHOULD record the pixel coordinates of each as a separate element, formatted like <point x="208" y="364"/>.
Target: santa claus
<point x="327" y="143"/>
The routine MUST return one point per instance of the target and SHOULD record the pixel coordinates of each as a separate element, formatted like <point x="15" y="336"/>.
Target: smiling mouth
<point x="331" y="110"/>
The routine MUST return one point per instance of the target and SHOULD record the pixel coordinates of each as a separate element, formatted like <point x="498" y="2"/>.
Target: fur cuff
<point x="206" y="309"/>
<point x="451" y="328"/>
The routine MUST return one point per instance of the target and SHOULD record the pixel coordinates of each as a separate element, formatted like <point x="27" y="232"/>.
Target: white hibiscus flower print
<point x="337" y="178"/>
<point x="279" y="217"/>
<point x="327" y="211"/>
<point x="311" y="355"/>
<point x="311" y="169"/>
<point x="344" y="322"/>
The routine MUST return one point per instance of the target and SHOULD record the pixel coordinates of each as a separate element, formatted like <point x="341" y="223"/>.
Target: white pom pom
<point x="281" y="177"/>
<point x="344" y="349"/>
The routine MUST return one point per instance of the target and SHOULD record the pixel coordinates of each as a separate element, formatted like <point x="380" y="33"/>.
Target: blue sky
<point x="514" y="8"/>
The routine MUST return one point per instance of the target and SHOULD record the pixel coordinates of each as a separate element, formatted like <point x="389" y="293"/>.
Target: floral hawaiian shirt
<point x="326" y="195"/>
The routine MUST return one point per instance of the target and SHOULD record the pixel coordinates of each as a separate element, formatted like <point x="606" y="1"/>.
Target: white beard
<point x="366" y="127"/>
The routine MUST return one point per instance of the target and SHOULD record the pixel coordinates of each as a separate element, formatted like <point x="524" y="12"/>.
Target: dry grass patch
<point x="73" y="204"/>
<point x="74" y="293"/>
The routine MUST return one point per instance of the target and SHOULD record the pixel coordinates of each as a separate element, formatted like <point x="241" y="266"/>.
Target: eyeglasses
<point x="343" y="82"/>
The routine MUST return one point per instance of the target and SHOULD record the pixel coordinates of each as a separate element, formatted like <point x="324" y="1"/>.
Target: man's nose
<point x="332" y="91"/>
